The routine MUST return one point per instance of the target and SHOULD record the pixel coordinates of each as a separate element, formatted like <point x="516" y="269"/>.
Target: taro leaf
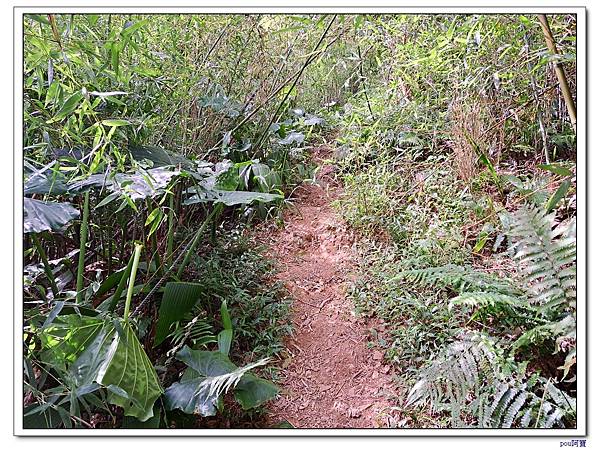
<point x="266" y="178"/>
<point x="160" y="157"/>
<point x="141" y="185"/>
<point x="230" y="198"/>
<point x="41" y="216"/>
<point x="274" y="127"/>
<point x="133" y="423"/>
<point x="214" y="374"/>
<point x="138" y="185"/>
<point x="67" y="336"/>
<point x="92" y="181"/>
<point x="229" y="179"/>
<point x="115" y="359"/>
<point x="178" y="299"/>
<point x="45" y="182"/>
<point x="313" y="120"/>
<point x="292" y="137"/>
<point x="189" y="395"/>
<point x="253" y="391"/>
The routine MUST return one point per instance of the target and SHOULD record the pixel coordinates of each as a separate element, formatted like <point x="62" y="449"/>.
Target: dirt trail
<point x="330" y="379"/>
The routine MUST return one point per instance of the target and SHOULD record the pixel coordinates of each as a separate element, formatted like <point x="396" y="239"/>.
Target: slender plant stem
<point x="171" y="219"/>
<point x="136" y="261"/>
<point x="362" y="79"/>
<point x="83" y="236"/>
<point x="216" y="210"/>
<point x="119" y="290"/>
<point x="47" y="268"/>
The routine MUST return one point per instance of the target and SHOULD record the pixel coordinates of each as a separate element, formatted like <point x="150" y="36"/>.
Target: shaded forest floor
<point x="330" y="378"/>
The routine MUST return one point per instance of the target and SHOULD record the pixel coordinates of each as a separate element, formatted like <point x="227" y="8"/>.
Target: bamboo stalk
<point x="83" y="236"/>
<point x="560" y="73"/>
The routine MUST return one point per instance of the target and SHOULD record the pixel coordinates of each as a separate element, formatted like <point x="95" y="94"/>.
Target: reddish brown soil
<point x="330" y="379"/>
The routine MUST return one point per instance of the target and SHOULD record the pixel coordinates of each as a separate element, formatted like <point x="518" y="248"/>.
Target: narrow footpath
<point x="330" y="379"/>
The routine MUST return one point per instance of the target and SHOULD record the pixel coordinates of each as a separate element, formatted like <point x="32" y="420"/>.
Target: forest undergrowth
<point x="156" y="147"/>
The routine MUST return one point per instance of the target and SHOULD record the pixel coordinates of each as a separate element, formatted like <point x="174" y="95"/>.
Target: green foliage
<point x="211" y="375"/>
<point x="41" y="216"/>
<point x="106" y="353"/>
<point x="472" y="383"/>
<point x="178" y="299"/>
<point x="546" y="252"/>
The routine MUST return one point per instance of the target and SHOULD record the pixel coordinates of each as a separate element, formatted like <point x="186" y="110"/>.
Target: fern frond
<point x="459" y="278"/>
<point x="221" y="384"/>
<point x="196" y="331"/>
<point x="546" y="252"/>
<point x="467" y="382"/>
<point x="484" y="299"/>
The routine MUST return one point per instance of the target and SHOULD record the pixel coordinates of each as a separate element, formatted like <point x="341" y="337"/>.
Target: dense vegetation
<point x="154" y="143"/>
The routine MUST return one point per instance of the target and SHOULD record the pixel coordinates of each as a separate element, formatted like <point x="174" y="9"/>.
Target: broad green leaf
<point x="178" y="299"/>
<point x="160" y="157"/>
<point x="210" y="375"/>
<point x="107" y="353"/>
<point x="253" y="391"/>
<point x="41" y="216"/>
<point x="133" y="423"/>
<point x="138" y="185"/>
<point x="230" y="198"/>
<point x="291" y="138"/>
<point x="115" y="359"/>
<point x="67" y="336"/>
<point x="45" y="182"/>
<point x="229" y="180"/>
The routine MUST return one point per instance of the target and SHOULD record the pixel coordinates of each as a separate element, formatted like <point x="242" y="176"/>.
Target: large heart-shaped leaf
<point x="211" y="374"/>
<point x="178" y="299"/>
<point x="45" y="181"/>
<point x="253" y="391"/>
<point x="41" y="216"/>
<point x="106" y="353"/>
<point x="229" y="198"/>
<point x="138" y="185"/>
<point x="67" y="336"/>
<point x="160" y="157"/>
<point x="292" y="137"/>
